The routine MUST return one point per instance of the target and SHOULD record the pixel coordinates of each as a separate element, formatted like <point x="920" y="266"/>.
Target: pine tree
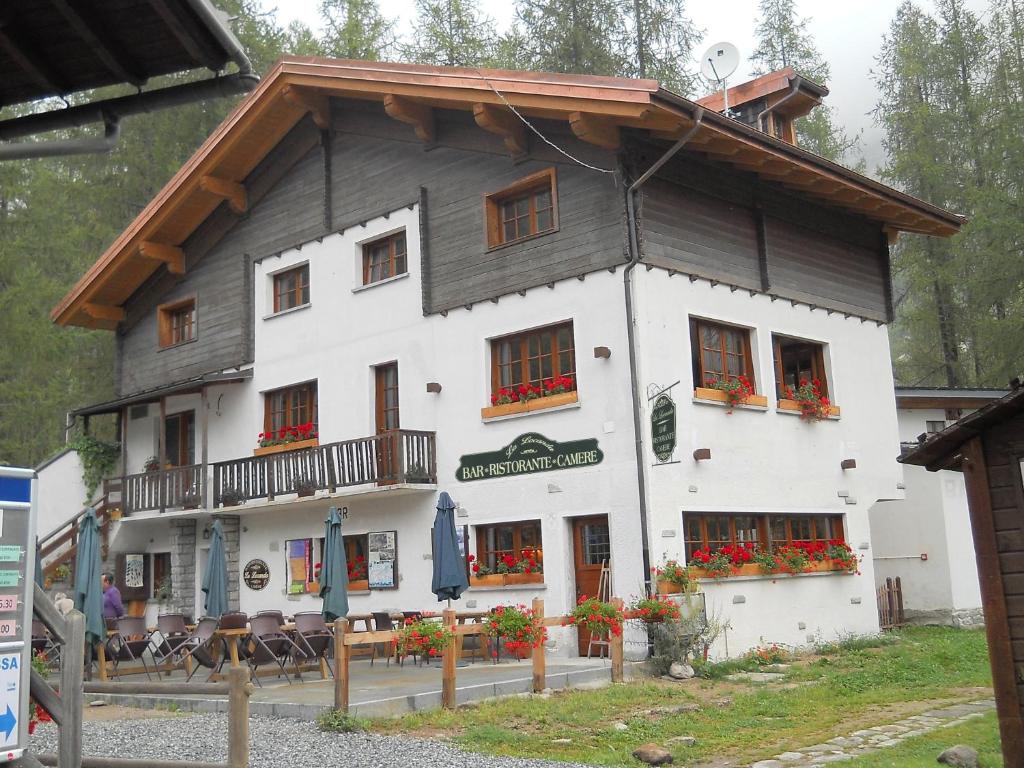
<point x="659" y="42"/>
<point x="451" y="33"/>
<point x="355" y="29"/>
<point x="578" y="36"/>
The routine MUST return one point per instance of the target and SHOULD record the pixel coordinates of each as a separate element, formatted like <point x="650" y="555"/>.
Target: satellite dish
<point x="719" y="61"/>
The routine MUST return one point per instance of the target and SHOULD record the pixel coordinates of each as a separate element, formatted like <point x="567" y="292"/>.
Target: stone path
<point x="859" y="743"/>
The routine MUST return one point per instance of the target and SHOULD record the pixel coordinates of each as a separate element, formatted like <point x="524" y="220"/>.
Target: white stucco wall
<point x="60" y="491"/>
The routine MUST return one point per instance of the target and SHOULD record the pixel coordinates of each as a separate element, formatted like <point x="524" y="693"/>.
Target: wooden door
<point x="180" y="439"/>
<point x="387" y="423"/>
<point x="591" y="552"/>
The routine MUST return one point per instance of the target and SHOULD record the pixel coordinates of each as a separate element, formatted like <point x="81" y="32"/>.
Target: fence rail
<point x="396" y="456"/>
<point x="890" y="604"/>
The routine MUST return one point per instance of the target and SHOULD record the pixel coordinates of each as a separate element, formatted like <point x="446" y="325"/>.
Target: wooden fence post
<point x="616" y="647"/>
<point x="539" y="676"/>
<point x="72" y="662"/>
<point x="340" y="665"/>
<point x="448" y="663"/>
<point x="238" y="717"/>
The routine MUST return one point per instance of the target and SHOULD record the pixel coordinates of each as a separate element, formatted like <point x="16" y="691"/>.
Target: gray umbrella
<point x="39" y="565"/>
<point x="88" y="589"/>
<point x="334" y="571"/>
<point x="215" y="581"/>
<point x="450" y="579"/>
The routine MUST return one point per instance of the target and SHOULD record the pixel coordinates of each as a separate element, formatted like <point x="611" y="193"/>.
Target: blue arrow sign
<point x="8" y="721"/>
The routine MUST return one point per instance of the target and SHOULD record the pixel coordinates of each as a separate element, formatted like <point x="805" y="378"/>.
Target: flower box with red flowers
<point x="508" y="570"/>
<point x="652" y="610"/>
<point x="524" y="398"/>
<point x="732" y="391"/>
<point x="672" y="578"/>
<point x="809" y="401"/>
<point x="518" y="629"/>
<point x="597" y="617"/>
<point x="424" y="638"/>
<point x="287" y="439"/>
<point x="357" y="578"/>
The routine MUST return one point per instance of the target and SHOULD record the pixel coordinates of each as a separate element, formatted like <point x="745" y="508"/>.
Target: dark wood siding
<point x="378" y="165"/>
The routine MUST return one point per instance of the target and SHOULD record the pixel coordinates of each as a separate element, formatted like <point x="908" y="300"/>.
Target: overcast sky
<point x="849" y="36"/>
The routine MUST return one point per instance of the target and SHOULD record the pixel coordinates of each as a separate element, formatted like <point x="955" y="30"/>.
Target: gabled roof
<point x="772" y="87"/>
<point x="596" y="108"/>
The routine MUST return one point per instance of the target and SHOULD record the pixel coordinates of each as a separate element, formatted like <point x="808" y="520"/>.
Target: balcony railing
<point x="390" y="458"/>
<point x="163" y="489"/>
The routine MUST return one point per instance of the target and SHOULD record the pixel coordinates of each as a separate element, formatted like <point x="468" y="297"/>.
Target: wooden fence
<point x="343" y="640"/>
<point x="890" y="605"/>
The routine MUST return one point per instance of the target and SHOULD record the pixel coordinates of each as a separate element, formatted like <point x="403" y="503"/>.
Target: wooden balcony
<point x="163" y="489"/>
<point x="401" y="456"/>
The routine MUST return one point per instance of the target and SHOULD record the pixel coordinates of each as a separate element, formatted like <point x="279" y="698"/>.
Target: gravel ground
<point x="275" y="743"/>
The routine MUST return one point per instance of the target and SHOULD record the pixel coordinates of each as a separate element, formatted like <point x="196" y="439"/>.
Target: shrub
<point x="654" y="609"/>
<point x="673" y="641"/>
<point x="598" y="617"/>
<point x="517" y="625"/>
<point x="764" y="656"/>
<point x="336" y="721"/>
<point x="673" y="573"/>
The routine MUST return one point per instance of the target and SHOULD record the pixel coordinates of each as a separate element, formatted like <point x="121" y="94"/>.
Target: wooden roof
<point x="771" y="87"/>
<point x="945" y="397"/>
<point x="58" y="47"/>
<point x="596" y="108"/>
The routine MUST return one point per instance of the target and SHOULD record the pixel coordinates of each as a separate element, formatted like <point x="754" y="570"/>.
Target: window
<point x="180" y="439"/>
<point x="533" y="357"/>
<point x="290" y="407"/>
<point x="291" y="288"/>
<point x="384" y="258"/>
<point x="716" y="531"/>
<point x="796" y="360"/>
<point x="177" y="322"/>
<point x="527" y="208"/>
<point x="355" y="556"/>
<point x="720" y="352"/>
<point x="495" y="541"/>
<point x="161" y="575"/>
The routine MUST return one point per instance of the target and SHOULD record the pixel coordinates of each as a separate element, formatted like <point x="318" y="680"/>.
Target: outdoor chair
<point x="312" y="635"/>
<point x="233" y="620"/>
<point x="44" y="646"/>
<point x="173" y="635"/>
<point x="382" y="623"/>
<point x="267" y="644"/>
<point x="199" y="648"/>
<point x="278" y="615"/>
<point x="131" y="643"/>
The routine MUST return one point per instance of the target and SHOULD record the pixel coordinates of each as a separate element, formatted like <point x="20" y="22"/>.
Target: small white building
<point x="925" y="538"/>
<point x="383" y="252"/>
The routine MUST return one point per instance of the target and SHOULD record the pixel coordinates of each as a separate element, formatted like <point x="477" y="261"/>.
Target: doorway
<point x="387" y="422"/>
<point x="591" y="552"/>
<point x="180" y="439"/>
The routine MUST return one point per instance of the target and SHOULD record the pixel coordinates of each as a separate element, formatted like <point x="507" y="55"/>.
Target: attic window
<point x="177" y="322"/>
<point x="526" y="209"/>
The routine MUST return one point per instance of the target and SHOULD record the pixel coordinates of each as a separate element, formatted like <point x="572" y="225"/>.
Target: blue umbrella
<point x="39" y="565"/>
<point x="450" y="579"/>
<point x="215" y="581"/>
<point x="334" y="571"/>
<point x="88" y="589"/>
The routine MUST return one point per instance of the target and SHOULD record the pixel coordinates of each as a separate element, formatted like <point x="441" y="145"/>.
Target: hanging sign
<point x="663" y="427"/>
<point x="256" y="574"/>
<point x="527" y="454"/>
<point x="382" y="560"/>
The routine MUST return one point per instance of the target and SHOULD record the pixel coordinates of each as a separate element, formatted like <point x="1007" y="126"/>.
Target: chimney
<point x="771" y="102"/>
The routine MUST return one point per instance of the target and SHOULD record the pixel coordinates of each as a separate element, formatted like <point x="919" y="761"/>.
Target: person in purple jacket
<point x="112" y="606"/>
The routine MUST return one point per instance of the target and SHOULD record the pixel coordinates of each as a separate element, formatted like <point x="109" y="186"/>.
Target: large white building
<point x="383" y="251"/>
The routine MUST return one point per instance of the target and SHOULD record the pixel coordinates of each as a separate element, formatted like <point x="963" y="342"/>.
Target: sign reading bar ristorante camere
<point x="526" y="454"/>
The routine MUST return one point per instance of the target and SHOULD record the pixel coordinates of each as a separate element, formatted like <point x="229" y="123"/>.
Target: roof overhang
<point x="185" y="387"/>
<point x="794" y="94"/>
<point x="945" y="397"/>
<point x="596" y="108"/>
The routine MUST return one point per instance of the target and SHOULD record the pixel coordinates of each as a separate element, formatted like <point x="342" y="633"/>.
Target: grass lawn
<point x="851" y="686"/>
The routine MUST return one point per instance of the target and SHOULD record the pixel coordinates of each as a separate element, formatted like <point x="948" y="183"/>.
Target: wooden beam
<point x="504" y="123"/>
<point x="595" y="129"/>
<point x="317" y="104"/>
<point x="170" y="255"/>
<point x="231" y="191"/>
<point x="94" y="35"/>
<point x="104" y="312"/>
<point x="185" y="32"/>
<point x="30" y="61"/>
<point x="416" y="114"/>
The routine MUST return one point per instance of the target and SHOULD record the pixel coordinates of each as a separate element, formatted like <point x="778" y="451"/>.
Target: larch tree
<point x="578" y="36"/>
<point x="356" y="29"/>
<point x="451" y="33"/>
<point x="658" y="43"/>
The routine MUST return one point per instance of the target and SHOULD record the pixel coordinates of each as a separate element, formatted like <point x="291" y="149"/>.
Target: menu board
<point x="382" y="559"/>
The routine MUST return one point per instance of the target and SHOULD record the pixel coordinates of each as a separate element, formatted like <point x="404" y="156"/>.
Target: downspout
<point x="792" y="92"/>
<point x="217" y="22"/>
<point x="634" y="376"/>
<point x="91" y="146"/>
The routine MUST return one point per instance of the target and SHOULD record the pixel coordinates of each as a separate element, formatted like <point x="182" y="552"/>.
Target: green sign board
<point x="10" y="553"/>
<point x="663" y="427"/>
<point x="9" y="578"/>
<point x="527" y="454"/>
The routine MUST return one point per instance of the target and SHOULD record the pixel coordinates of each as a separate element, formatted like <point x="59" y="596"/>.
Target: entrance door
<point x="591" y="550"/>
<point x="386" y="399"/>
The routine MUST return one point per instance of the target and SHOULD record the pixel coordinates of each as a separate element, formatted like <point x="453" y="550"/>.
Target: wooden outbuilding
<point x="988" y="447"/>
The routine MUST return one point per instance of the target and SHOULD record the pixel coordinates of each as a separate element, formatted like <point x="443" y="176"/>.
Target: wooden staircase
<point x="63" y="540"/>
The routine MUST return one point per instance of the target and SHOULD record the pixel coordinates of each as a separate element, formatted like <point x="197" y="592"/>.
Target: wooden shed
<point x="988" y="447"/>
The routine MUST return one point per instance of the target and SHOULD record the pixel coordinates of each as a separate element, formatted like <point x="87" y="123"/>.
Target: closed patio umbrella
<point x="88" y="589"/>
<point x="39" y="565"/>
<point x="215" y="581"/>
<point x="450" y="580"/>
<point x="334" y="571"/>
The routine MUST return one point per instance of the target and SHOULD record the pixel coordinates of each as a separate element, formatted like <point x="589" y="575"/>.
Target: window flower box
<point x="359" y="585"/>
<point x="313" y="587"/>
<point x="668" y="588"/>
<point x="526" y="406"/>
<point x="512" y="579"/>
<point x="490" y="580"/>
<point x="747" y="569"/>
<point x="720" y="396"/>
<point x="292" y="446"/>
<point x="792" y="405"/>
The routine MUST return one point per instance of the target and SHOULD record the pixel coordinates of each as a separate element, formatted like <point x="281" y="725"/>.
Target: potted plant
<point x="287" y="438"/>
<point x="652" y="610"/>
<point x="724" y="561"/>
<point x="152" y="464"/>
<point x="737" y="390"/>
<point x="672" y="578"/>
<point x="811" y="403"/>
<point x="525" y="569"/>
<point x="304" y="486"/>
<point x="424" y="638"/>
<point x="231" y="497"/>
<point x="842" y="556"/>
<point x="163" y="591"/>
<point x="516" y="625"/>
<point x="792" y="558"/>
<point x="114" y="513"/>
<point x="596" y="616"/>
<point x="357" y="578"/>
<point x="417" y="473"/>
<point x="555" y="391"/>
<point x="481" y="575"/>
<point x="191" y="499"/>
<point x="60" y="576"/>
